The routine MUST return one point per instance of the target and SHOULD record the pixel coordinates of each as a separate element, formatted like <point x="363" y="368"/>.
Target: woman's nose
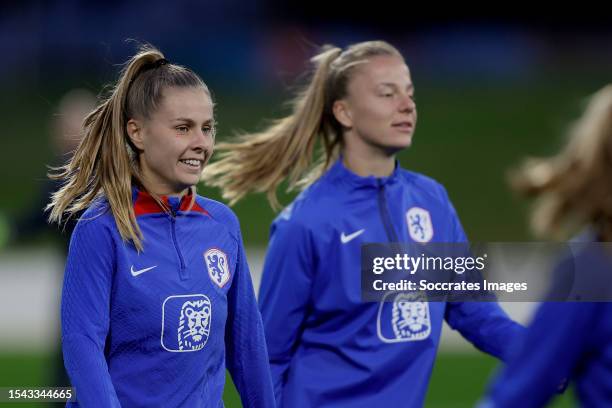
<point x="407" y="104"/>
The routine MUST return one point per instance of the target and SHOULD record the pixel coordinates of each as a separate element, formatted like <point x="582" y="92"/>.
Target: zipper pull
<point x="174" y="204"/>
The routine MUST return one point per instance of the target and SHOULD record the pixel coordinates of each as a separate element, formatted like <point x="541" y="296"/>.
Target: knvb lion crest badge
<point x="218" y="266"/>
<point x="419" y="224"/>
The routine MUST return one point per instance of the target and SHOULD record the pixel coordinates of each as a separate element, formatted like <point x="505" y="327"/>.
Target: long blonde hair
<point x="260" y="161"/>
<point x="574" y="187"/>
<point x="106" y="162"/>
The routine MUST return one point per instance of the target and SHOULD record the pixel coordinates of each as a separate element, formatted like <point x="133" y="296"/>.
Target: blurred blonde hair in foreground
<point x="574" y="188"/>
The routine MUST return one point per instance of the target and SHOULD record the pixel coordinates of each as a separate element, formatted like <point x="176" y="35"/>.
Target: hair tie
<point x="160" y="62"/>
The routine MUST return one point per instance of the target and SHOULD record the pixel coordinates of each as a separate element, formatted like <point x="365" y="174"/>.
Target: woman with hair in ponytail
<point x="328" y="348"/>
<point x="569" y="340"/>
<point x="157" y="295"/>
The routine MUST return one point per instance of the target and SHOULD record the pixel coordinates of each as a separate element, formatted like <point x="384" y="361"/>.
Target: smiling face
<point x="176" y="141"/>
<point x="379" y="110"/>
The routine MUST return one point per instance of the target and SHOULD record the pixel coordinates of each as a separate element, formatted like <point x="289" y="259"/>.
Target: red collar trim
<point x="144" y="203"/>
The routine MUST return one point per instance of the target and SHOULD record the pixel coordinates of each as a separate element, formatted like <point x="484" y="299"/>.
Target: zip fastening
<point x="384" y="213"/>
<point x="182" y="269"/>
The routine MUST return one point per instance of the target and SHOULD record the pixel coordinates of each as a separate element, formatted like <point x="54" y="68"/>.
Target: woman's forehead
<point x="383" y="70"/>
<point x="186" y="102"/>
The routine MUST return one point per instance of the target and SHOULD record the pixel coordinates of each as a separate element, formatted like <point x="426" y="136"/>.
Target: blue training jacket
<point x="326" y="347"/>
<point x="156" y="329"/>
<point x="565" y="341"/>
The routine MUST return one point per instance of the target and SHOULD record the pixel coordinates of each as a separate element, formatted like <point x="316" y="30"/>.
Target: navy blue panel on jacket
<point x="329" y="349"/>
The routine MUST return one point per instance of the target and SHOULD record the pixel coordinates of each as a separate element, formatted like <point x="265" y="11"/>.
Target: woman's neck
<point x="368" y="161"/>
<point x="163" y="190"/>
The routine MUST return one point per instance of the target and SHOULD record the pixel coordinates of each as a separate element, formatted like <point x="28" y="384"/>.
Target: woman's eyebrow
<point x="409" y="87"/>
<point x="190" y="121"/>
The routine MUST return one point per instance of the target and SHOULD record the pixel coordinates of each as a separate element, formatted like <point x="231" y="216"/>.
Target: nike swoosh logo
<point x="348" y="238"/>
<point x="138" y="272"/>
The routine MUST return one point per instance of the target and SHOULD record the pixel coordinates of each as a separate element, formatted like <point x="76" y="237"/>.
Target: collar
<point x="144" y="203"/>
<point x="341" y="172"/>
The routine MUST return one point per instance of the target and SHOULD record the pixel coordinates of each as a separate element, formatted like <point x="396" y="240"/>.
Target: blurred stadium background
<point x="489" y="92"/>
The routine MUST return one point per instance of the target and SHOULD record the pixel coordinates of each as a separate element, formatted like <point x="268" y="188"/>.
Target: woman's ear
<point x="135" y="133"/>
<point x="342" y="113"/>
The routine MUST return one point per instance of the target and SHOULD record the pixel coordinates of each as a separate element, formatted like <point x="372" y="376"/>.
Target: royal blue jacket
<point x="157" y="328"/>
<point x="328" y="348"/>
<point x="566" y="341"/>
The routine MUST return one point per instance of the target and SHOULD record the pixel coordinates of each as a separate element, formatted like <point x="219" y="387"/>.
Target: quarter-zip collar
<point x="341" y="173"/>
<point x="144" y="203"/>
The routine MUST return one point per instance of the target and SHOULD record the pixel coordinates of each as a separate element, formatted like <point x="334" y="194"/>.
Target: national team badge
<point x="419" y="224"/>
<point x="217" y="265"/>
<point x="186" y="322"/>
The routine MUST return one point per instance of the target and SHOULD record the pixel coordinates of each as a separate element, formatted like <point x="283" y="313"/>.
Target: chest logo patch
<point x="419" y="224"/>
<point x="186" y="322"/>
<point x="407" y="318"/>
<point x="217" y="265"/>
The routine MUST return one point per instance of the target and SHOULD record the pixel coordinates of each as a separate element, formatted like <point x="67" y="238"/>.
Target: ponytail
<point x="260" y="161"/>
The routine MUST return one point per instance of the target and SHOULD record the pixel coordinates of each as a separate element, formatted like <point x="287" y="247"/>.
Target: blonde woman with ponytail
<point x="157" y="295"/>
<point x="328" y="348"/>
<point x="569" y="340"/>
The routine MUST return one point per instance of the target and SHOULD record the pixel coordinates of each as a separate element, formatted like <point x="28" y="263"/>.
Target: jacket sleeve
<point x="85" y="313"/>
<point x="484" y="324"/>
<point x="545" y="359"/>
<point x="284" y="295"/>
<point x="246" y="354"/>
